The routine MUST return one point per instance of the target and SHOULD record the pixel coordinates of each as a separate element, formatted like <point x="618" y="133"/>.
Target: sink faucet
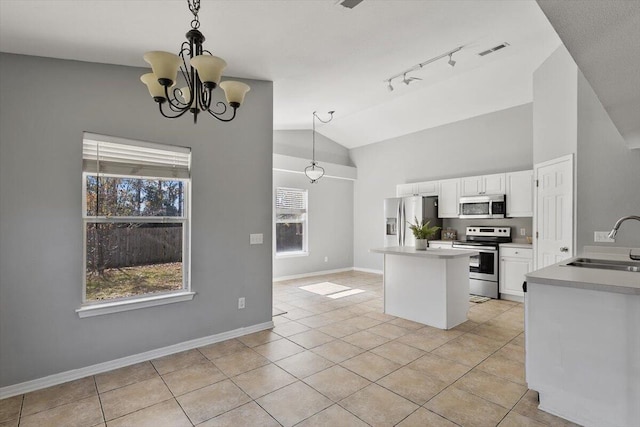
<point x="612" y="234"/>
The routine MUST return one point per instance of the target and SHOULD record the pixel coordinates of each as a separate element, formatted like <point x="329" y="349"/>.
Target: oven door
<point x="483" y="265"/>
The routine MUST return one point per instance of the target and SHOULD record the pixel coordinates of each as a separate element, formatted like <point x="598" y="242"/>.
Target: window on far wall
<point x="291" y="221"/>
<point x="135" y="219"/>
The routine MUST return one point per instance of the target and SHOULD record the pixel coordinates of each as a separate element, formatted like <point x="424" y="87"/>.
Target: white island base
<point x="429" y="287"/>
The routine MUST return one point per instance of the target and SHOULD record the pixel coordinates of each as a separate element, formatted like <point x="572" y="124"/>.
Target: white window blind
<point x="291" y="200"/>
<point x="118" y="156"/>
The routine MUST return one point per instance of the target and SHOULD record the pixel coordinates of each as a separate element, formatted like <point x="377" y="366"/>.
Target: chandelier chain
<point x="194" y="7"/>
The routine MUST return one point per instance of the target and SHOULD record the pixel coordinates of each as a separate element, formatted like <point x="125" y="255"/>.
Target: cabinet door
<point x="403" y="190"/>
<point x="429" y="188"/>
<point x="471" y="186"/>
<point x="512" y="274"/>
<point x="448" y="195"/>
<point x="520" y="194"/>
<point x="493" y="184"/>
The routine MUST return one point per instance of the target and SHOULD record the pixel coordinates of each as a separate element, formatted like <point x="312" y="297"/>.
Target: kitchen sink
<point x="603" y="264"/>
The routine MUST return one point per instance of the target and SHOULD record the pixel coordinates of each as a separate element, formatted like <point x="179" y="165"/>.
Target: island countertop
<point x="429" y="253"/>
<point x="560" y="274"/>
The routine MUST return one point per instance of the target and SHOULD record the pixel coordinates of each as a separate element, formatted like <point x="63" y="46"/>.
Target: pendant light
<point x="201" y="71"/>
<point x="313" y="171"/>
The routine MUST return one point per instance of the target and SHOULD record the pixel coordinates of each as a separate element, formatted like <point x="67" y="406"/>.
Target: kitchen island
<point x="582" y="329"/>
<point x="427" y="286"/>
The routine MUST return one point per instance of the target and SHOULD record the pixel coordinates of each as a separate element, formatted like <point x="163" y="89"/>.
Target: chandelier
<point x="200" y="70"/>
<point x="313" y="171"/>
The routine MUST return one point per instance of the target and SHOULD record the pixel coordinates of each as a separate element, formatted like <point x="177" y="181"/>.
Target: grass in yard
<point x="132" y="281"/>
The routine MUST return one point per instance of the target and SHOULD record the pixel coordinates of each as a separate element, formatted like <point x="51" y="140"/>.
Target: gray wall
<point x="495" y="142"/>
<point x="569" y="118"/>
<point x="45" y="106"/>
<point x="555" y="107"/>
<point x="298" y="143"/>
<point x="330" y="225"/>
<point x="608" y="174"/>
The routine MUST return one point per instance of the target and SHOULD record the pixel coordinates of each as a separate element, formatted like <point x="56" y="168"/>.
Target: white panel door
<point x="554" y="211"/>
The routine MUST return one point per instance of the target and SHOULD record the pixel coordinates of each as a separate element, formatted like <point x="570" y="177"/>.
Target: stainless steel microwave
<point x="485" y="206"/>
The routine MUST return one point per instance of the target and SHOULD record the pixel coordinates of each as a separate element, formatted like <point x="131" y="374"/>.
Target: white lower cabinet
<point x="514" y="264"/>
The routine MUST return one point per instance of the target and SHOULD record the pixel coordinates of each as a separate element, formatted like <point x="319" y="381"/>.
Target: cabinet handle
<point x="564" y="249"/>
<point x="517" y="252"/>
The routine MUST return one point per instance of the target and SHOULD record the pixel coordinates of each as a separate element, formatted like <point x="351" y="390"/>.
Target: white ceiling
<point x="320" y="56"/>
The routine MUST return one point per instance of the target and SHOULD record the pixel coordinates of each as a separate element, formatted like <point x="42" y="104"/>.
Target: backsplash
<point x="516" y="224"/>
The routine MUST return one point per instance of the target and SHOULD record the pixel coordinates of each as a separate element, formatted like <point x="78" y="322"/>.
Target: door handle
<point x="564" y="249"/>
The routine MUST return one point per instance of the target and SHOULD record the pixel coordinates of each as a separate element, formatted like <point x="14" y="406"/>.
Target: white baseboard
<point x="314" y="273"/>
<point x="368" y="270"/>
<point x="63" y="377"/>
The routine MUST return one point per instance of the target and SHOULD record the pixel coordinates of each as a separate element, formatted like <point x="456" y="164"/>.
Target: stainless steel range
<point x="483" y="268"/>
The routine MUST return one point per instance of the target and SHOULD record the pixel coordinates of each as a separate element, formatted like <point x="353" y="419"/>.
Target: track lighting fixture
<point x="407" y="80"/>
<point x="451" y="61"/>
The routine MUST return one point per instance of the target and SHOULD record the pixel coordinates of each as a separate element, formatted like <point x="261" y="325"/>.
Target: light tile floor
<point x="325" y="363"/>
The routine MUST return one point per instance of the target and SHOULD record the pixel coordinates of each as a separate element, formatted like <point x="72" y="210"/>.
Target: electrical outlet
<point x="326" y="259"/>
<point x="240" y="303"/>
<point x="523" y="231"/>
<point x="602" y="236"/>
<point x="256" y="239"/>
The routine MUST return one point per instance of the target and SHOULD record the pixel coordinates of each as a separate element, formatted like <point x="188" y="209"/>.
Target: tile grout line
<point x="95" y="384"/>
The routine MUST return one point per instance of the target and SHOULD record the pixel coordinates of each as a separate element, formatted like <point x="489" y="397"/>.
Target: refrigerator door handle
<point x="399" y="227"/>
<point x="404" y="224"/>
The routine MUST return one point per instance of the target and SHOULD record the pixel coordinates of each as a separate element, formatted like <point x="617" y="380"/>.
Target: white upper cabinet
<point x="429" y="188"/>
<point x="403" y="190"/>
<point x="471" y="186"/>
<point x="484" y="184"/>
<point x="519" y="194"/>
<point x="493" y="184"/>
<point x="448" y="196"/>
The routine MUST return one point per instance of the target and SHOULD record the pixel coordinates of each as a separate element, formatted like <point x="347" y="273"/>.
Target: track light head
<point x="451" y="61"/>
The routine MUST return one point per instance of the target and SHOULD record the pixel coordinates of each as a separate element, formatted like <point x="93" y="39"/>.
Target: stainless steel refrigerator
<point x="400" y="210"/>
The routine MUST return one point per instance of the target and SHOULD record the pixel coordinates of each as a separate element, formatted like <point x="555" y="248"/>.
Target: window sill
<point x="90" y="310"/>
<point x="291" y="254"/>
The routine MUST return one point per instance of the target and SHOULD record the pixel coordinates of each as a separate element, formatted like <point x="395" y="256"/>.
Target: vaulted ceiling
<point x="319" y="54"/>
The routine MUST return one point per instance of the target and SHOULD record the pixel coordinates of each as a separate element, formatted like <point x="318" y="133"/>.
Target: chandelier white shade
<point x="202" y="73"/>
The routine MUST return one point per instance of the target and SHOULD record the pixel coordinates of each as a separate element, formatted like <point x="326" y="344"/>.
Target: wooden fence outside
<point x="113" y="247"/>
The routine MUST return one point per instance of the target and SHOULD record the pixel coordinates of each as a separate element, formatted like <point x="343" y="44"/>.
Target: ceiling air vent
<point x="350" y="4"/>
<point x="493" y="49"/>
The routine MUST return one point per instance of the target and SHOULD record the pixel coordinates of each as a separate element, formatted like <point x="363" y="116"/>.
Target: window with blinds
<point x="291" y="221"/>
<point x="136" y="218"/>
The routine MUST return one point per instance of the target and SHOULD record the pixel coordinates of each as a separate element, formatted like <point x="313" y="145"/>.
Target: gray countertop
<point x="429" y="253"/>
<point x="560" y="274"/>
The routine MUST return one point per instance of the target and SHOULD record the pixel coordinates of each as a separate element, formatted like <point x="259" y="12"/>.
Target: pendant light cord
<point x="313" y="138"/>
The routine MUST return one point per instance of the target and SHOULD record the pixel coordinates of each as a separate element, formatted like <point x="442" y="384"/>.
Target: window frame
<point x="94" y="308"/>
<point x="305" y="229"/>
